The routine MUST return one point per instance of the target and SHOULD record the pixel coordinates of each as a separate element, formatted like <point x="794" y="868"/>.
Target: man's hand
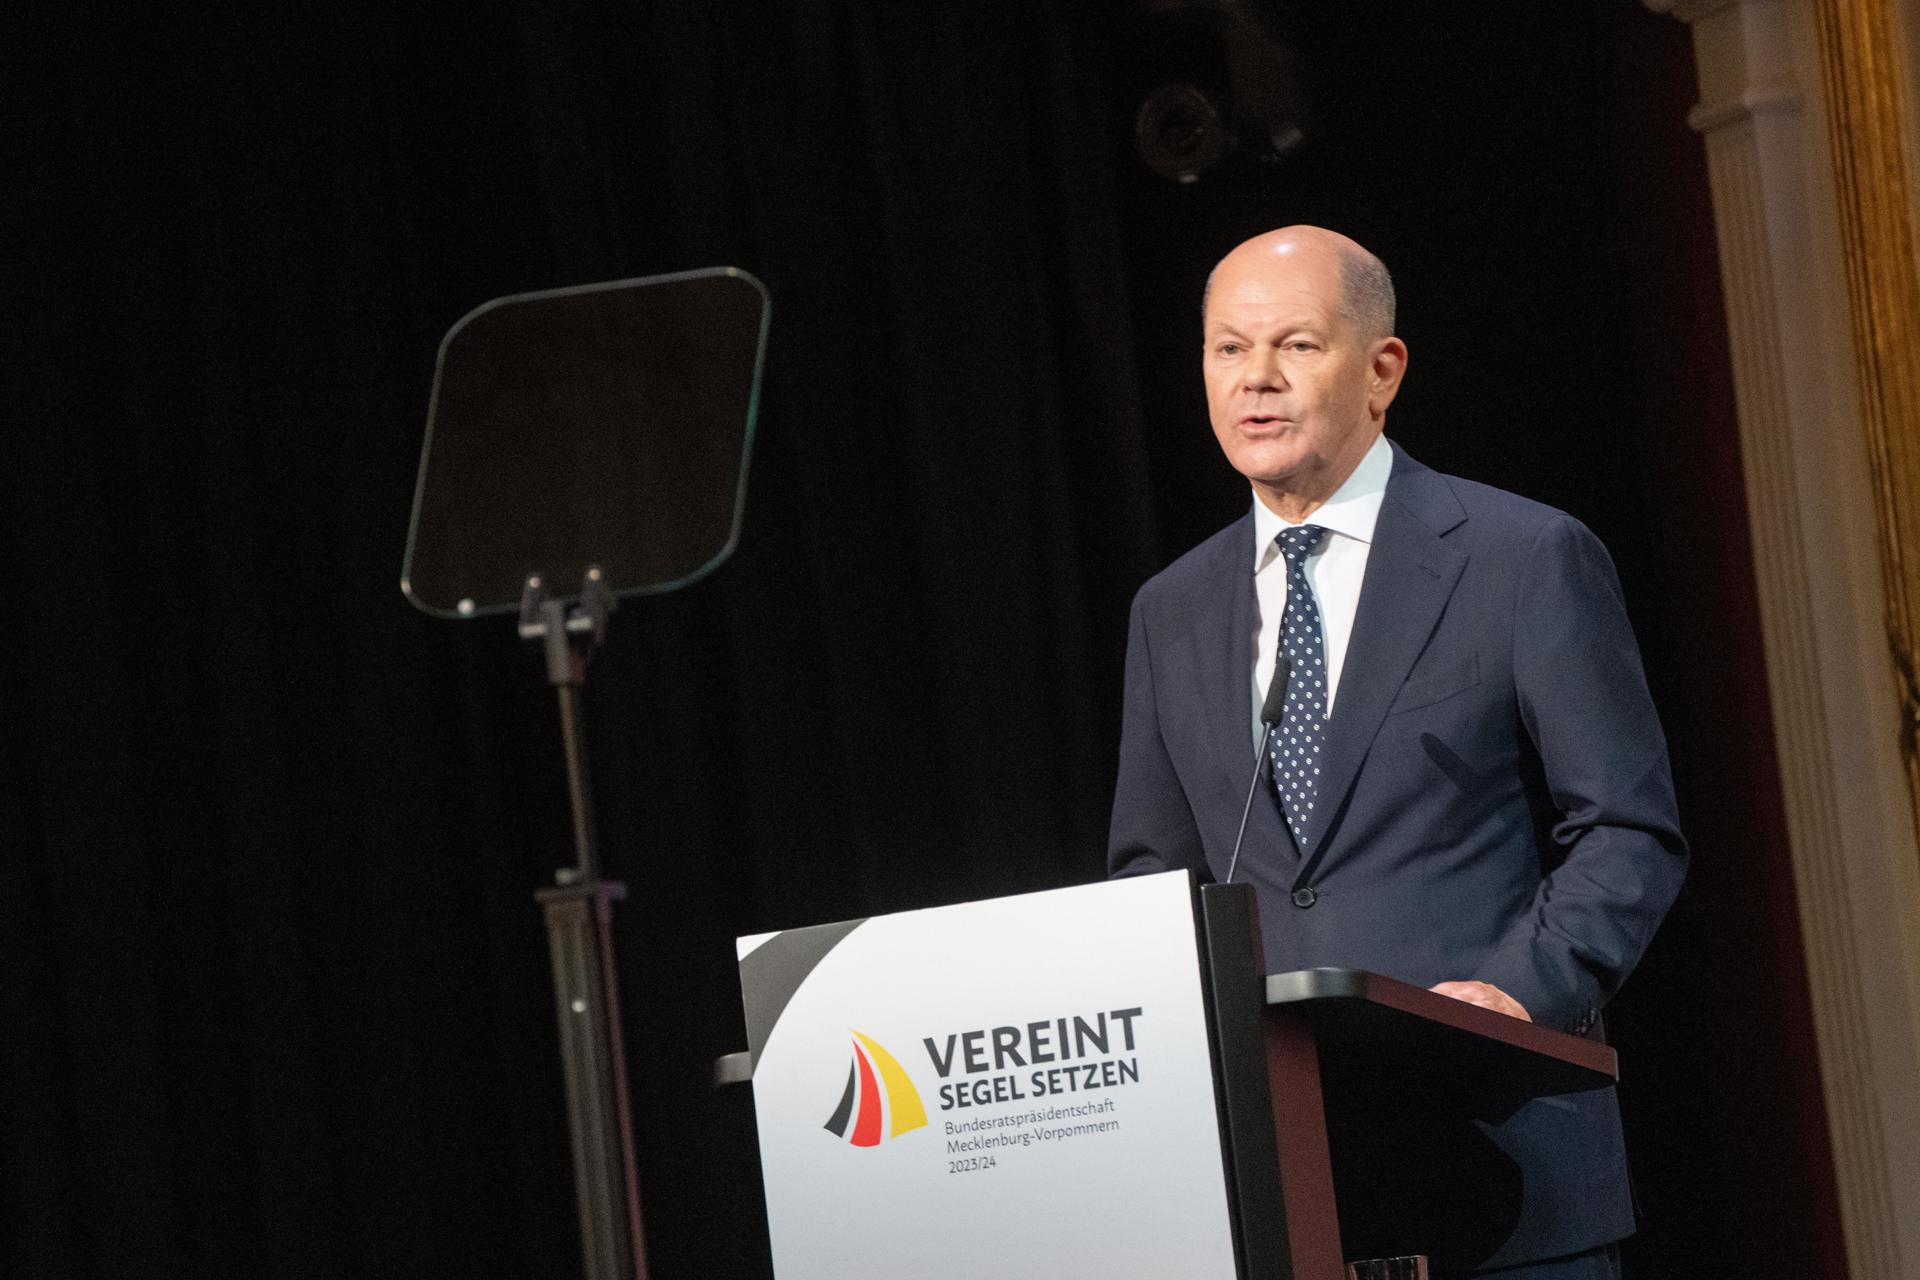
<point x="1486" y="995"/>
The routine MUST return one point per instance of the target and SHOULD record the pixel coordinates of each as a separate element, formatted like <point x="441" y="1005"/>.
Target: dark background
<point x="273" y="990"/>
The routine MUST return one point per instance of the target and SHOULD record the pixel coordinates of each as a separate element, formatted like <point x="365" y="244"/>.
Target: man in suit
<point x="1468" y="788"/>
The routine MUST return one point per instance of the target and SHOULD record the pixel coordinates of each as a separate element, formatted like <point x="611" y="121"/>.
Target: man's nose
<point x="1263" y="370"/>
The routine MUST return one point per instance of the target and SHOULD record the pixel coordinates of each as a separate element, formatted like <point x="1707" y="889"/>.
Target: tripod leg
<point x="586" y="999"/>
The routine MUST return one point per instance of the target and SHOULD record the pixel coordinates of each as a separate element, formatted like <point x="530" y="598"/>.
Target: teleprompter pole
<point x="579" y="918"/>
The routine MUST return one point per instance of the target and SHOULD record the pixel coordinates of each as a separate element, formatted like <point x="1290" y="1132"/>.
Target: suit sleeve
<point x="1152" y="827"/>
<point x="1616" y="835"/>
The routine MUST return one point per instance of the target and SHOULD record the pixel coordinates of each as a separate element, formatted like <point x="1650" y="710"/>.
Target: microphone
<point x="1270" y="712"/>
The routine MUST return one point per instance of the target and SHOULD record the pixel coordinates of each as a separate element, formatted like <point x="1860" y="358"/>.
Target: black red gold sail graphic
<point x="879" y="1094"/>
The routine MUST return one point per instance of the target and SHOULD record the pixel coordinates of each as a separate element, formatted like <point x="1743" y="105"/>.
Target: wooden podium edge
<point x="1304" y="985"/>
<point x="1273" y="1126"/>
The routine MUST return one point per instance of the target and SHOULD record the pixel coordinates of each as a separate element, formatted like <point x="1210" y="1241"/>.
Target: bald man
<point x="1467" y="787"/>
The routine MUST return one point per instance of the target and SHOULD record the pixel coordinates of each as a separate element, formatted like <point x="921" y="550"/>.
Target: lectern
<point x="1098" y="1082"/>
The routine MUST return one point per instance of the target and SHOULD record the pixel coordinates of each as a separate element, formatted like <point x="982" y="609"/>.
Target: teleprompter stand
<point x="586" y="991"/>
<point x="595" y="436"/>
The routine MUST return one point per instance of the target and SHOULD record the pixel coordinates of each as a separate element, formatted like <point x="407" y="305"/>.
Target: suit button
<point x="1303" y="897"/>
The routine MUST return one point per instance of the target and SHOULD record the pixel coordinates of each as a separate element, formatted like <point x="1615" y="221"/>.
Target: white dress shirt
<point x="1334" y="571"/>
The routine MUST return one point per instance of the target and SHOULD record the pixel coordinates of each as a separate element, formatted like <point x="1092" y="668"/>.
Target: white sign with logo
<point x="1012" y="1088"/>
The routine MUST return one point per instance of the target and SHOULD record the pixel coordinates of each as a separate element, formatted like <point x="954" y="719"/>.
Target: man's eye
<point x="1229" y="348"/>
<point x="1304" y="346"/>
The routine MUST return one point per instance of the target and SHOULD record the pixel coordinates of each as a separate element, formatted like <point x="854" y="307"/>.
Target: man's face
<point x="1294" y="392"/>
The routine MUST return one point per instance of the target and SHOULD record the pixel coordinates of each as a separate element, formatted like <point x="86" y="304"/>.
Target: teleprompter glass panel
<point x="603" y="425"/>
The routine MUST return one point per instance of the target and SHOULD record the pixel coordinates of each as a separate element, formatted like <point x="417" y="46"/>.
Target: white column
<point x="1830" y="678"/>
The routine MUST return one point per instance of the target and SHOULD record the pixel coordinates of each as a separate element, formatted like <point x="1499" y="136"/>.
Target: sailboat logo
<point x="879" y="1094"/>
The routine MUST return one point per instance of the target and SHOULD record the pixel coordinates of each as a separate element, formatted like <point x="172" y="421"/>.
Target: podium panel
<point x="1020" y="1087"/>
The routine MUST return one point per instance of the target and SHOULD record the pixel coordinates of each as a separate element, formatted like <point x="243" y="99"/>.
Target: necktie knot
<point x="1298" y="542"/>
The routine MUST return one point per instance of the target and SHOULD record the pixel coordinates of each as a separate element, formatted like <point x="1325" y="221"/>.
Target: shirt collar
<point x="1352" y="511"/>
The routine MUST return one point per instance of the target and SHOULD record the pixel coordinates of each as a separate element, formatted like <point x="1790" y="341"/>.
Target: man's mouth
<point x="1264" y="420"/>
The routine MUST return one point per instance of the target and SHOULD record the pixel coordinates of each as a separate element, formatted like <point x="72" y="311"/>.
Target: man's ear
<point x="1388" y="366"/>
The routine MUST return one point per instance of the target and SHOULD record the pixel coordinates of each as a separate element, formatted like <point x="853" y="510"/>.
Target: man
<point x="1468" y="788"/>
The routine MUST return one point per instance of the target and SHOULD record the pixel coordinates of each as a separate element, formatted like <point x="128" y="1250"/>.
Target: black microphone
<point x="1270" y="712"/>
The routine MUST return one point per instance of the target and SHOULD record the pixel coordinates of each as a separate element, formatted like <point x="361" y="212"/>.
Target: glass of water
<point x="1411" y="1267"/>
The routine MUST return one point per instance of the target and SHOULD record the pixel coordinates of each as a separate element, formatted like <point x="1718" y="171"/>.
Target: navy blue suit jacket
<point x="1498" y="802"/>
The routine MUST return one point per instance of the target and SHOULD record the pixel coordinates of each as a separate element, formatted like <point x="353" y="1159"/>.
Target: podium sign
<point x="1019" y="1087"/>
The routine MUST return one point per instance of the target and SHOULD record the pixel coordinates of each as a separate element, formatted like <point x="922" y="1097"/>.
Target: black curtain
<point x="273" y="986"/>
<point x="274" y="835"/>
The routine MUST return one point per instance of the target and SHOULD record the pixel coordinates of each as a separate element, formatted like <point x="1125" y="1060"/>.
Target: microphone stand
<point x="586" y="994"/>
<point x="1271" y="710"/>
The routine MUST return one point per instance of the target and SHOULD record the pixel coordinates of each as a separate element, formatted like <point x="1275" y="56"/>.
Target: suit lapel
<point x="1411" y="573"/>
<point x="1223" y="630"/>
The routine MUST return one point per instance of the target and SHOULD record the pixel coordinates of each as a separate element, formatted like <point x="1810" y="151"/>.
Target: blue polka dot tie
<point x="1295" y="743"/>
